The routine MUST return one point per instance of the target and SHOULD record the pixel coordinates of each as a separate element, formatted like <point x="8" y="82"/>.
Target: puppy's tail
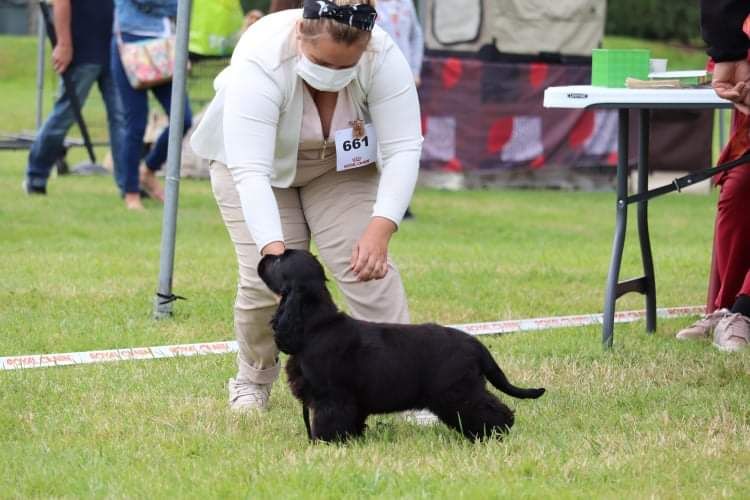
<point x="497" y="378"/>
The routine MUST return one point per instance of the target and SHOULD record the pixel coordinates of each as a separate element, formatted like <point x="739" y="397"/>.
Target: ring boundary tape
<point x="206" y="348"/>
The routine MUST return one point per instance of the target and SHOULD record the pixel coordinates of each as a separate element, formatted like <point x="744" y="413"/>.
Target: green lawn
<point x="652" y="418"/>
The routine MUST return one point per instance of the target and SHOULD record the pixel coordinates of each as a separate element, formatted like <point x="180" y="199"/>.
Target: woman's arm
<point x="251" y="115"/>
<point x="721" y="26"/>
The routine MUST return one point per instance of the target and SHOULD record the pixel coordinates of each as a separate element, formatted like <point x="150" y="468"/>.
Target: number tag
<point x="354" y="153"/>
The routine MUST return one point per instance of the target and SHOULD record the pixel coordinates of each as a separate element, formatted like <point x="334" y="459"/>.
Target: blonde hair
<point x="340" y="33"/>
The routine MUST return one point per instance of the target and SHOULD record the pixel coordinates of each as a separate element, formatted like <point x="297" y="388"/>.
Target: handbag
<point x="148" y="63"/>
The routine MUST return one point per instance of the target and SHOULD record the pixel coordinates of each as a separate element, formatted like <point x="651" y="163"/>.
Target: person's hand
<point x="731" y="81"/>
<point x="417" y="80"/>
<point x="370" y="254"/>
<point x="273" y="248"/>
<point x="61" y="57"/>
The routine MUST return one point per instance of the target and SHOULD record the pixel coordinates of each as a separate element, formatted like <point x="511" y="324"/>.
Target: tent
<point x="521" y="27"/>
<point x="486" y="67"/>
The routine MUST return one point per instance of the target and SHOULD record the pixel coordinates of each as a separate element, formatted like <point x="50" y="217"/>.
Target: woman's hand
<point x="273" y="248"/>
<point x="731" y="81"/>
<point x="370" y="254"/>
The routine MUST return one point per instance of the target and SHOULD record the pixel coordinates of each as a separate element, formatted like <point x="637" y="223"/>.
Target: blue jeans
<point x="135" y="103"/>
<point x="48" y="146"/>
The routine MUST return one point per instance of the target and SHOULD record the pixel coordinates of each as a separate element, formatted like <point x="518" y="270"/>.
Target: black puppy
<point x="344" y="369"/>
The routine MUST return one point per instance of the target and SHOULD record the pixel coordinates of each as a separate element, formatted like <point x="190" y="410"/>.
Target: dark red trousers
<point x="730" y="267"/>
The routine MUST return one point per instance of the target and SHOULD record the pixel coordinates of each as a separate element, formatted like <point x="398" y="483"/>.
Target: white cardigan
<point x="253" y="123"/>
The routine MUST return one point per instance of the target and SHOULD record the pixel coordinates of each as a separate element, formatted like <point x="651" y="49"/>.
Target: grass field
<point x="653" y="418"/>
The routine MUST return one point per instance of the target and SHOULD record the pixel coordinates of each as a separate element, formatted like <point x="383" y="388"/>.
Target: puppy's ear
<point x="268" y="270"/>
<point x="287" y="323"/>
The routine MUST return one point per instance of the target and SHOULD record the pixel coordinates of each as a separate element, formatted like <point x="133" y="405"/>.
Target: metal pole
<point x="40" y="51"/>
<point x="164" y="297"/>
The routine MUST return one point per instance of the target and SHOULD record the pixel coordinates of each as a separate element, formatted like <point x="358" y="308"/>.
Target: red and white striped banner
<point x="202" y="349"/>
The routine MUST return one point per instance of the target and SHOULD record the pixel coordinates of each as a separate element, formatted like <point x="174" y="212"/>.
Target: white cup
<point x="657" y="65"/>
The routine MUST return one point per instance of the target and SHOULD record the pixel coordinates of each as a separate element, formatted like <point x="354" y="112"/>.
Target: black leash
<point x="688" y="180"/>
<point x="167" y="299"/>
<point x="306" y="418"/>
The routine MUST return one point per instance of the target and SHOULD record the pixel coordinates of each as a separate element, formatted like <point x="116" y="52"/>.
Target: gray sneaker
<point x="704" y="327"/>
<point x="245" y="397"/>
<point x="732" y="333"/>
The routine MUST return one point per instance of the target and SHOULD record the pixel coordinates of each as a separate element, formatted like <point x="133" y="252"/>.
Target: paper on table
<point x="697" y="73"/>
<point x="634" y="83"/>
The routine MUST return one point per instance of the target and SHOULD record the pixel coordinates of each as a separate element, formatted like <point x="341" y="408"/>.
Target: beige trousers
<point x="331" y="207"/>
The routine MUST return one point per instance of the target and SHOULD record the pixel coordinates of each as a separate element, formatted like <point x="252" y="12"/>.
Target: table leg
<point x="621" y="221"/>
<point x="643" y="234"/>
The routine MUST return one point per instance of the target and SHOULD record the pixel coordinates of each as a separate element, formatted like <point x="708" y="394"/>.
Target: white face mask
<point x="322" y="78"/>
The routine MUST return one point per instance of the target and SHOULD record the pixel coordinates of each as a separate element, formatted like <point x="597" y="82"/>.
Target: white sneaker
<point x="420" y="417"/>
<point x="245" y="397"/>
<point x="704" y="327"/>
<point x="732" y="333"/>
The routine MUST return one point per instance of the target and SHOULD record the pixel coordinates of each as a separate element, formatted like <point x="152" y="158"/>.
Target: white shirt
<point x="253" y="123"/>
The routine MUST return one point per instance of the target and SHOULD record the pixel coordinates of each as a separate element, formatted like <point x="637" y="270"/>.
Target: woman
<point x="726" y="29"/>
<point x="291" y="136"/>
<point x="142" y="20"/>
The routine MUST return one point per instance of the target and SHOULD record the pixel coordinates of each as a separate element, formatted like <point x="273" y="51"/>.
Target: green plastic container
<point x="610" y="67"/>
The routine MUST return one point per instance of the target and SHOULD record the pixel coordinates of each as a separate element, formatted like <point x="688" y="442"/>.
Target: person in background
<point x="726" y="29"/>
<point x="141" y="20"/>
<point x="250" y="18"/>
<point x="399" y="19"/>
<point x="302" y="86"/>
<point x="84" y="31"/>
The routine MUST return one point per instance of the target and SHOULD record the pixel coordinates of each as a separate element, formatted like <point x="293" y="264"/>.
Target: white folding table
<point x="644" y="100"/>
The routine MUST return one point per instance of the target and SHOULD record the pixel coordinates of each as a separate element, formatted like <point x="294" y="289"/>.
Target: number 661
<point x="355" y="144"/>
